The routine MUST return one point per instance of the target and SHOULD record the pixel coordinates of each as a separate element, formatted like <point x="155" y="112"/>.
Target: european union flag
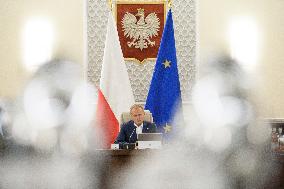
<point x="164" y="97"/>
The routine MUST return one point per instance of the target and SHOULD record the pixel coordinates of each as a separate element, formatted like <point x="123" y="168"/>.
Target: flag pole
<point x="170" y="4"/>
<point x="110" y="4"/>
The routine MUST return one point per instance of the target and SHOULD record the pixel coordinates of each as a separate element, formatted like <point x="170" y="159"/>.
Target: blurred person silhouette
<point x="51" y="131"/>
<point x="129" y="130"/>
<point x="227" y="115"/>
<point x="56" y="109"/>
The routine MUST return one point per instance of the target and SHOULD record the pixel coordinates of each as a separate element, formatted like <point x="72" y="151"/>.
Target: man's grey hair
<point x="136" y="106"/>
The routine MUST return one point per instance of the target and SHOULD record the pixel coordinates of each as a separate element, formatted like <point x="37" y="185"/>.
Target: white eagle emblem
<point x="142" y="30"/>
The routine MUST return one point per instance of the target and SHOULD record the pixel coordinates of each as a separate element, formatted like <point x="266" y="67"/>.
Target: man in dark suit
<point x="129" y="130"/>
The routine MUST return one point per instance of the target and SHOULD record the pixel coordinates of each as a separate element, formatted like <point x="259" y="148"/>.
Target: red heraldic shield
<point x="140" y="27"/>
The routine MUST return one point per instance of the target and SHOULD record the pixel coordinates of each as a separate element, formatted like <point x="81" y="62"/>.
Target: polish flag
<point x="115" y="94"/>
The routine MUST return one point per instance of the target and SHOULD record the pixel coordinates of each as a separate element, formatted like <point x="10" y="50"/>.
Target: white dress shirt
<point x="139" y="128"/>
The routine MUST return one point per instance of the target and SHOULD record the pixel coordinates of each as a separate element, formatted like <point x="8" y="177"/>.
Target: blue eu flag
<point x="164" y="97"/>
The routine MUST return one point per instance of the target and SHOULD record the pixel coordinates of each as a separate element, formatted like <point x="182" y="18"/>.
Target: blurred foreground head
<point x="56" y="109"/>
<point x="222" y="106"/>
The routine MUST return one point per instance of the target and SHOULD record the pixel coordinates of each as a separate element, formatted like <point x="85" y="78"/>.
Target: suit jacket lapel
<point x="145" y="127"/>
<point x="134" y="135"/>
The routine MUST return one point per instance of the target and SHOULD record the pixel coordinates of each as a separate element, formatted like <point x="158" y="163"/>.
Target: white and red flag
<point x="115" y="94"/>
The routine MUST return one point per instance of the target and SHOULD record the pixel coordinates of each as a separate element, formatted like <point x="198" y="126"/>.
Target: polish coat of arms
<point x="140" y="31"/>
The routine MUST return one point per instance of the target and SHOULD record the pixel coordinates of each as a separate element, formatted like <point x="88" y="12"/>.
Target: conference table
<point x="277" y="178"/>
<point x="111" y="168"/>
<point x="114" y="164"/>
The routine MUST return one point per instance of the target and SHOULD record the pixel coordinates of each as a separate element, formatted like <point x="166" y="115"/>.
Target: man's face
<point x="137" y="115"/>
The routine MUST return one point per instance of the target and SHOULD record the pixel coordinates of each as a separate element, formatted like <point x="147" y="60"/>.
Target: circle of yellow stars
<point x="167" y="63"/>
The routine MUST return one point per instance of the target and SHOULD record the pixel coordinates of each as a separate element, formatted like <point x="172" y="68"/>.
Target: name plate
<point x="114" y="146"/>
<point x="149" y="145"/>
